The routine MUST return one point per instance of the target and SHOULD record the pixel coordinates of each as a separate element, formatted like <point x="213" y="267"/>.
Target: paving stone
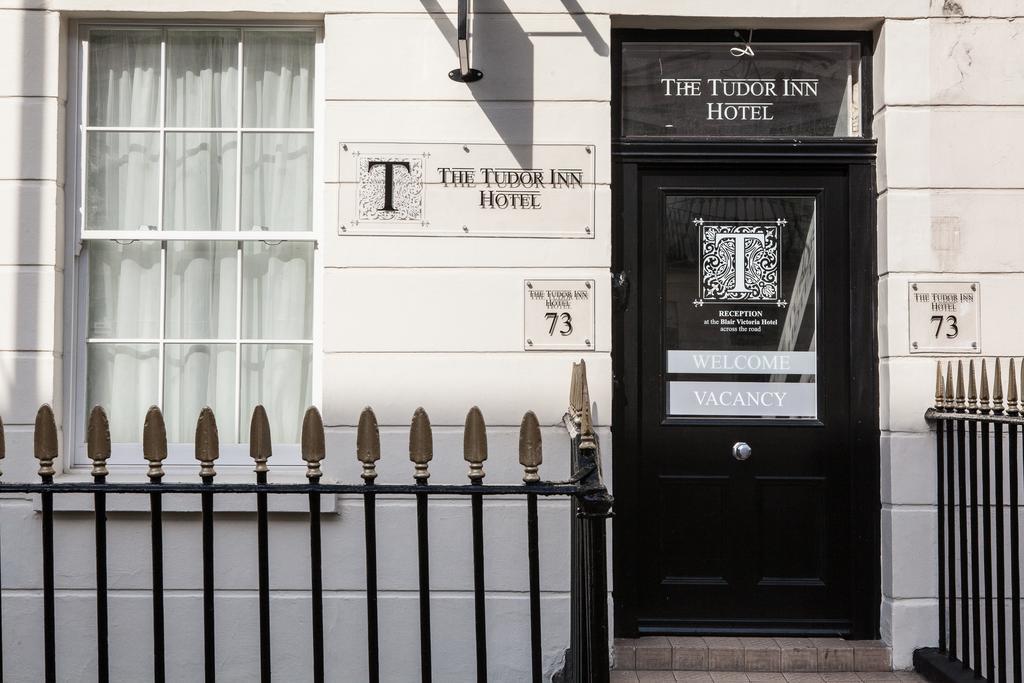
<point x="841" y="677"/>
<point x="798" y="654"/>
<point x="623" y="677"/>
<point x="653" y="653"/>
<point x="693" y="677"/>
<point x="875" y="676"/>
<point x="871" y="655"/>
<point x="803" y="677"/>
<point x="689" y="654"/>
<point x="765" y="677"/>
<point x="656" y="677"/>
<point x="729" y="677"/>
<point x="625" y="654"/>
<point x="724" y="653"/>
<point x="834" y="654"/>
<point x="761" y="654"/>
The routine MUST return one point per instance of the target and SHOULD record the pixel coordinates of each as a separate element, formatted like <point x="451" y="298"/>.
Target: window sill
<point x="189" y="502"/>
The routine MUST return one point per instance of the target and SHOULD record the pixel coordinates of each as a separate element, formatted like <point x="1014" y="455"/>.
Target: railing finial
<point x="207" y="443"/>
<point x="1011" y="391"/>
<point x="259" y="438"/>
<point x="983" y="401"/>
<point x="368" y="443"/>
<point x="474" y="443"/>
<point x="939" y="387"/>
<point x="44" y="441"/>
<point x="314" y="449"/>
<point x="959" y="385"/>
<point x="574" y="392"/>
<point x="949" y="386"/>
<point x="997" y="387"/>
<point x="97" y="441"/>
<point x="587" y="438"/>
<point x="154" y="442"/>
<point x="421" y="444"/>
<point x="972" y="391"/>
<point x="1020" y="396"/>
<point x="530" y="453"/>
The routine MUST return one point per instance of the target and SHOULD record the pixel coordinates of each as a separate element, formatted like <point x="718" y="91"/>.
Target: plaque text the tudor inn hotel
<point x="750" y="89"/>
<point x="467" y="190"/>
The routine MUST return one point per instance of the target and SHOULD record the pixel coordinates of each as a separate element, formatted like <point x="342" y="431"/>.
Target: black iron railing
<point x="587" y="656"/>
<point x="978" y="488"/>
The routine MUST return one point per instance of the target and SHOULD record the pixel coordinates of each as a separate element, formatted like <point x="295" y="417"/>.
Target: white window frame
<point x="181" y="456"/>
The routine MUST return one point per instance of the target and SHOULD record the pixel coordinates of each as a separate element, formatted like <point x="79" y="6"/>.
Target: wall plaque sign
<point x="945" y="317"/>
<point x="740" y="306"/>
<point x="558" y="314"/>
<point x="445" y="189"/>
<point x="749" y="89"/>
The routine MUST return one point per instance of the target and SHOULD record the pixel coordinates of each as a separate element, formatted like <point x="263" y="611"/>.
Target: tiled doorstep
<point x="767" y="655"/>
<point x="753" y="677"/>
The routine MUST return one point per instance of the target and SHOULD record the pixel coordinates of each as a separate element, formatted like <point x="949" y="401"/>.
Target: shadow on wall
<point x="504" y="42"/>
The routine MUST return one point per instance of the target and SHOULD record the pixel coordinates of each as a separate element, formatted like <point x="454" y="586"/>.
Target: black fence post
<point x="45" y="448"/>
<point x="421" y="452"/>
<point x="530" y="457"/>
<point x="3" y="450"/>
<point x="475" y="453"/>
<point x="154" y="450"/>
<point x="588" y="661"/>
<point x="590" y="503"/>
<point x="940" y="505"/>
<point x="368" y="453"/>
<point x="207" y="451"/>
<point x="313" y="452"/>
<point x="977" y="464"/>
<point x="98" y="450"/>
<point x="260" y="451"/>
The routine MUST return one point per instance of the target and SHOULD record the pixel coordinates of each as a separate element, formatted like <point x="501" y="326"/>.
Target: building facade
<point x="295" y="204"/>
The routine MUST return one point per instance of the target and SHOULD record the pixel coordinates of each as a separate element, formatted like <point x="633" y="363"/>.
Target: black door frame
<point x="629" y="158"/>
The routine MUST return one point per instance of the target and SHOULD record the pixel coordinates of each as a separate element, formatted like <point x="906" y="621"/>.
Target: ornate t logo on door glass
<point x="390" y="188"/>
<point x="739" y="262"/>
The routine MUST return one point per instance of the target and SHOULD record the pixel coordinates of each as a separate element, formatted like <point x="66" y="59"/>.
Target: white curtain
<point x="277" y="168"/>
<point x="201" y="285"/>
<point x="124" y="78"/>
<point x="277" y="290"/>
<point x="277" y="181"/>
<point x="123" y="168"/>
<point x="278" y="72"/>
<point x="202" y="78"/>
<point x="277" y="303"/>
<point x="200" y="192"/>
<point x="124" y="302"/>
<point x="199" y="168"/>
<point x="198" y="375"/>
<point x="279" y="376"/>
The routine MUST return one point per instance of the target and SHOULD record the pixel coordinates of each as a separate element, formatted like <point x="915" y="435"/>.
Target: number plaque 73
<point x="566" y="323"/>
<point x="945" y="322"/>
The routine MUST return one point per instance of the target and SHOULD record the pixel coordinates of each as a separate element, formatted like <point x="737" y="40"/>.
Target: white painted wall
<point x="949" y="108"/>
<point x="951" y="187"/>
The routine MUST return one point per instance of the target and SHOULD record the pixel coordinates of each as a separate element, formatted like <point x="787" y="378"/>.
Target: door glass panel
<point x="740" y="306"/>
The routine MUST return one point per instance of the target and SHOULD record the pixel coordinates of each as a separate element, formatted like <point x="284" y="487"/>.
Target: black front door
<point x="740" y="504"/>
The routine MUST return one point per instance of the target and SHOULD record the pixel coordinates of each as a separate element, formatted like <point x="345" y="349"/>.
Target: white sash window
<point x="198" y="230"/>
